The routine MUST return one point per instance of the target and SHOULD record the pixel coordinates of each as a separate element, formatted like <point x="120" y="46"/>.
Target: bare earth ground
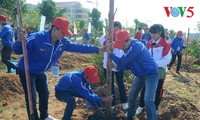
<point x="181" y="99"/>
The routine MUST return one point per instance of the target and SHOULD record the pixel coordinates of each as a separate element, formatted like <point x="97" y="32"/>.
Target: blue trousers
<point x="179" y="61"/>
<point x="150" y="82"/>
<point x="69" y="99"/>
<point x="158" y="97"/>
<point x="39" y="84"/>
<point x="6" y="56"/>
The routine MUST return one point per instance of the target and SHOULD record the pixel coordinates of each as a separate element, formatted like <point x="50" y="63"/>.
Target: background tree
<point x="31" y="20"/>
<point x="60" y="12"/>
<point x="198" y="27"/>
<point x="131" y="30"/>
<point x="138" y="24"/>
<point x="100" y="28"/>
<point x="194" y="48"/>
<point x="9" y="9"/>
<point x="81" y="25"/>
<point x="94" y="17"/>
<point x="48" y="8"/>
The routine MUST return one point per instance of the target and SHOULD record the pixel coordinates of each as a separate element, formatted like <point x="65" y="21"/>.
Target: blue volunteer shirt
<point x="146" y="37"/>
<point x="6" y="35"/>
<point x="42" y="54"/>
<point x="86" y="36"/>
<point x="74" y="83"/>
<point x="177" y="44"/>
<point x="137" y="59"/>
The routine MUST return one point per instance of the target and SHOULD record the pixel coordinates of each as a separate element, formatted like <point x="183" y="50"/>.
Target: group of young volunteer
<point x="147" y="60"/>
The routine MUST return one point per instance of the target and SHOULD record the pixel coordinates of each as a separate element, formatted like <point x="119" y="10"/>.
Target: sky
<point x="147" y="11"/>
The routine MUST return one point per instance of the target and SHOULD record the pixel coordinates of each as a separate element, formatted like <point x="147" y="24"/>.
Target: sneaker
<point x="50" y="118"/>
<point x="139" y="110"/>
<point x="124" y="106"/>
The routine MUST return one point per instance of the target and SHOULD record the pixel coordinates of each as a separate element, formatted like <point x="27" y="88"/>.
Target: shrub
<point x="194" y="48"/>
<point x="128" y="76"/>
<point x="98" y="62"/>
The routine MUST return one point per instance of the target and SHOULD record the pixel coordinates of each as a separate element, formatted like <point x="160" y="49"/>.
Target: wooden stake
<point x="28" y="83"/>
<point x="186" y="53"/>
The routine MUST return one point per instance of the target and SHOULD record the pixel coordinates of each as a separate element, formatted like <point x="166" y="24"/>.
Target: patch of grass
<point x="2" y="109"/>
<point x="2" y="67"/>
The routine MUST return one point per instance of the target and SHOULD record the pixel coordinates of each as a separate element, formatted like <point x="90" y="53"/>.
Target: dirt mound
<point x="192" y="65"/>
<point x="73" y="60"/>
<point x="171" y="108"/>
<point x="10" y="86"/>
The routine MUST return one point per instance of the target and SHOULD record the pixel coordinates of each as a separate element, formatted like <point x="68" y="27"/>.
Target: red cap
<point x="2" y="17"/>
<point x="63" y="25"/>
<point x="92" y="73"/>
<point x="180" y="33"/>
<point x="120" y="37"/>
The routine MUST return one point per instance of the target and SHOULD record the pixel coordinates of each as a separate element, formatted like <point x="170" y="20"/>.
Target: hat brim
<point x="118" y="44"/>
<point x="94" y="79"/>
<point x="68" y="32"/>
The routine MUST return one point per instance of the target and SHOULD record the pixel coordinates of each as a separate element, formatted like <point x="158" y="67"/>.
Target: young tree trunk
<point x="186" y="53"/>
<point x="108" y="110"/>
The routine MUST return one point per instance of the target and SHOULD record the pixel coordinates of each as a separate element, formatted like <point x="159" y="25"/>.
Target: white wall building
<point x="74" y="11"/>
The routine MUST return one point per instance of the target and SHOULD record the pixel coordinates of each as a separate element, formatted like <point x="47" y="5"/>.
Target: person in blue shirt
<point x="77" y="84"/>
<point x="146" y="36"/>
<point x="177" y="46"/>
<point x="86" y="36"/>
<point x="138" y="60"/>
<point x="6" y="35"/>
<point x="44" y="48"/>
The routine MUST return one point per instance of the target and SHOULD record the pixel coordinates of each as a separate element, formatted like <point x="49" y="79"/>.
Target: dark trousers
<point x="158" y="97"/>
<point x="174" y="59"/>
<point x="38" y="84"/>
<point x="120" y="83"/>
<point x="70" y="100"/>
<point x="6" y="56"/>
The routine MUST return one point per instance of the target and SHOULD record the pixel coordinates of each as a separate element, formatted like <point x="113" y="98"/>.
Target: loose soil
<point x="181" y="98"/>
